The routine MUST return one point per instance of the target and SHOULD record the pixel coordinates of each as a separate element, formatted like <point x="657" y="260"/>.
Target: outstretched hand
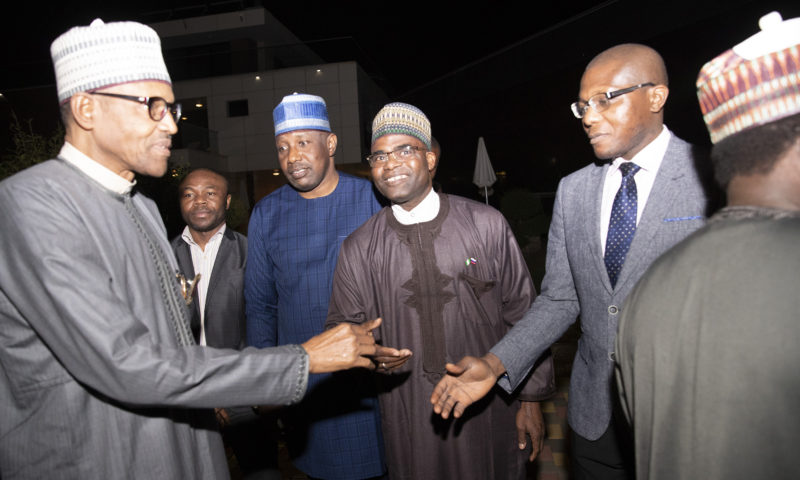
<point x="387" y="358"/>
<point x="466" y="382"/>
<point x="345" y="346"/>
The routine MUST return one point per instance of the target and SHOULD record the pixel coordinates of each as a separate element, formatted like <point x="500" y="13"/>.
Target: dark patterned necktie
<point x="622" y="225"/>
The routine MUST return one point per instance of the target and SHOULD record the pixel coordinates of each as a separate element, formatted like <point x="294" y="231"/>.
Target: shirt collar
<point x="649" y="158"/>
<point x="95" y="170"/>
<point x="187" y="234"/>
<point x="426" y="211"/>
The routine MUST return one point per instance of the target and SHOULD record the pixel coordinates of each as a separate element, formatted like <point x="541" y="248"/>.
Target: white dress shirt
<point x="203" y="263"/>
<point x="649" y="159"/>
<point x="426" y="211"/>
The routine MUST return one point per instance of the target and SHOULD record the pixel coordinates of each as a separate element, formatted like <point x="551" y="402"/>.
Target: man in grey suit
<point x="100" y="374"/>
<point x="208" y="248"/>
<point x="610" y="221"/>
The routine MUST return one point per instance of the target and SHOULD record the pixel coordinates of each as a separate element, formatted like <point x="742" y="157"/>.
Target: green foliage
<point x="529" y="222"/>
<point x="237" y="213"/>
<point x="176" y="172"/>
<point x="29" y="148"/>
<point x="164" y="191"/>
<point x="525" y="214"/>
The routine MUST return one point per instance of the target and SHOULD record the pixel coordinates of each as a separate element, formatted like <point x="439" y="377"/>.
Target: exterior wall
<point x="247" y="142"/>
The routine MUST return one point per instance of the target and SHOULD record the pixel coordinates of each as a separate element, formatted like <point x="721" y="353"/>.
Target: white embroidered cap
<point x="105" y="54"/>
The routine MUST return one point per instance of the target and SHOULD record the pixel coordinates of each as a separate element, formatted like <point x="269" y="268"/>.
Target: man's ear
<point x="332" y="142"/>
<point x="84" y="110"/>
<point x="658" y="97"/>
<point x="228" y="202"/>
<point x="792" y="157"/>
<point x="430" y="157"/>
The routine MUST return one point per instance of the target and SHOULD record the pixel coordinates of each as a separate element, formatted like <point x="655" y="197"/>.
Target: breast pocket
<point x="476" y="300"/>
<point x="677" y="228"/>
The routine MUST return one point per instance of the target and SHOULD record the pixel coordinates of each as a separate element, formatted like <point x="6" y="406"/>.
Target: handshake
<point x="351" y="345"/>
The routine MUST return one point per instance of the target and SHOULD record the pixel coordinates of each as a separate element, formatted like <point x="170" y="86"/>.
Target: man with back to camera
<point x="611" y="220"/>
<point x="294" y="238"/>
<point x="448" y="277"/>
<point x="707" y="345"/>
<point x="209" y="248"/>
<point x="101" y="376"/>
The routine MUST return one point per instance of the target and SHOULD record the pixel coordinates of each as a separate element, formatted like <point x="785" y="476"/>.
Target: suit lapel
<point x="183" y="254"/>
<point x="592" y="224"/>
<point x="220" y="263"/>
<point x="665" y="192"/>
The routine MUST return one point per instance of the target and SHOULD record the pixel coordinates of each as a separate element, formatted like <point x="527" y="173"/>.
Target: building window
<point x="238" y="108"/>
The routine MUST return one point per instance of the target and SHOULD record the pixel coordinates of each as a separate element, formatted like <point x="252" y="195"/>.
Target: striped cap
<point x="106" y="54"/>
<point x="301" y="111"/>
<point x="754" y="83"/>
<point x="404" y="119"/>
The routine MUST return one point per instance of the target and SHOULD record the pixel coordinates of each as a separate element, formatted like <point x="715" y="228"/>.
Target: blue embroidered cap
<point x="301" y="111"/>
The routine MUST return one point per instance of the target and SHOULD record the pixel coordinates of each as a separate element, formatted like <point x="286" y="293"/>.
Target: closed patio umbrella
<point x="484" y="173"/>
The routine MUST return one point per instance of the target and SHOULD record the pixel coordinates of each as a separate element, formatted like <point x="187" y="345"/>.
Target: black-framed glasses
<point x="602" y="101"/>
<point x="401" y="153"/>
<point x="156" y="106"/>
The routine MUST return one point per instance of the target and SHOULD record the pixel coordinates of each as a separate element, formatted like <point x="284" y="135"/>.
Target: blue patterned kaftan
<point x="293" y="244"/>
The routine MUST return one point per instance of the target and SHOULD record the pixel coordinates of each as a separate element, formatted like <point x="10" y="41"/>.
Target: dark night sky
<point x="506" y="71"/>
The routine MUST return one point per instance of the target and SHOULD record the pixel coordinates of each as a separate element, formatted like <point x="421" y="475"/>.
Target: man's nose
<point x="392" y="162"/>
<point x="168" y="123"/>
<point x="590" y="117"/>
<point x="293" y="155"/>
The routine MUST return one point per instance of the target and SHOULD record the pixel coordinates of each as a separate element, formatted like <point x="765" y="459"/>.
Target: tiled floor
<point x="553" y="461"/>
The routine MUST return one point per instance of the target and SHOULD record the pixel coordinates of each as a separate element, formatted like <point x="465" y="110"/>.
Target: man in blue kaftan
<point x="293" y="242"/>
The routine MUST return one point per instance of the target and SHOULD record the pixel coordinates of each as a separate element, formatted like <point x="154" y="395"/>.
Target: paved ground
<point x="553" y="462"/>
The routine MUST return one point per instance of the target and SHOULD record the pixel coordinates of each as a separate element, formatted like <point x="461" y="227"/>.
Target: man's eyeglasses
<point x="402" y="153"/>
<point x="602" y="101"/>
<point x="157" y="106"/>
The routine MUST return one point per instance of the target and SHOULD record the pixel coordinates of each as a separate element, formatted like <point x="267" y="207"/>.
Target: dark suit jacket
<point x="225" y="318"/>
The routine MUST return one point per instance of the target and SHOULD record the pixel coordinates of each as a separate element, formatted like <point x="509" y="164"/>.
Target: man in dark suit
<point x="207" y="247"/>
<point x="218" y="255"/>
<point x="611" y="220"/>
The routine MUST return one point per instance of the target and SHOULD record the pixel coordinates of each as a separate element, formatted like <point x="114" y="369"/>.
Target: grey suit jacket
<point x="224" y="310"/>
<point x="576" y="282"/>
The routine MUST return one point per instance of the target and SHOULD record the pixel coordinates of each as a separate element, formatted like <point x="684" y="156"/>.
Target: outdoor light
<point x="198" y="105"/>
<point x="258" y="77"/>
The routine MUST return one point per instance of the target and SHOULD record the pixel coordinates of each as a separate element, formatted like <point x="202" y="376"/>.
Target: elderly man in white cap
<point x="293" y="242"/>
<point x="101" y="377"/>
<point x="707" y="345"/>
